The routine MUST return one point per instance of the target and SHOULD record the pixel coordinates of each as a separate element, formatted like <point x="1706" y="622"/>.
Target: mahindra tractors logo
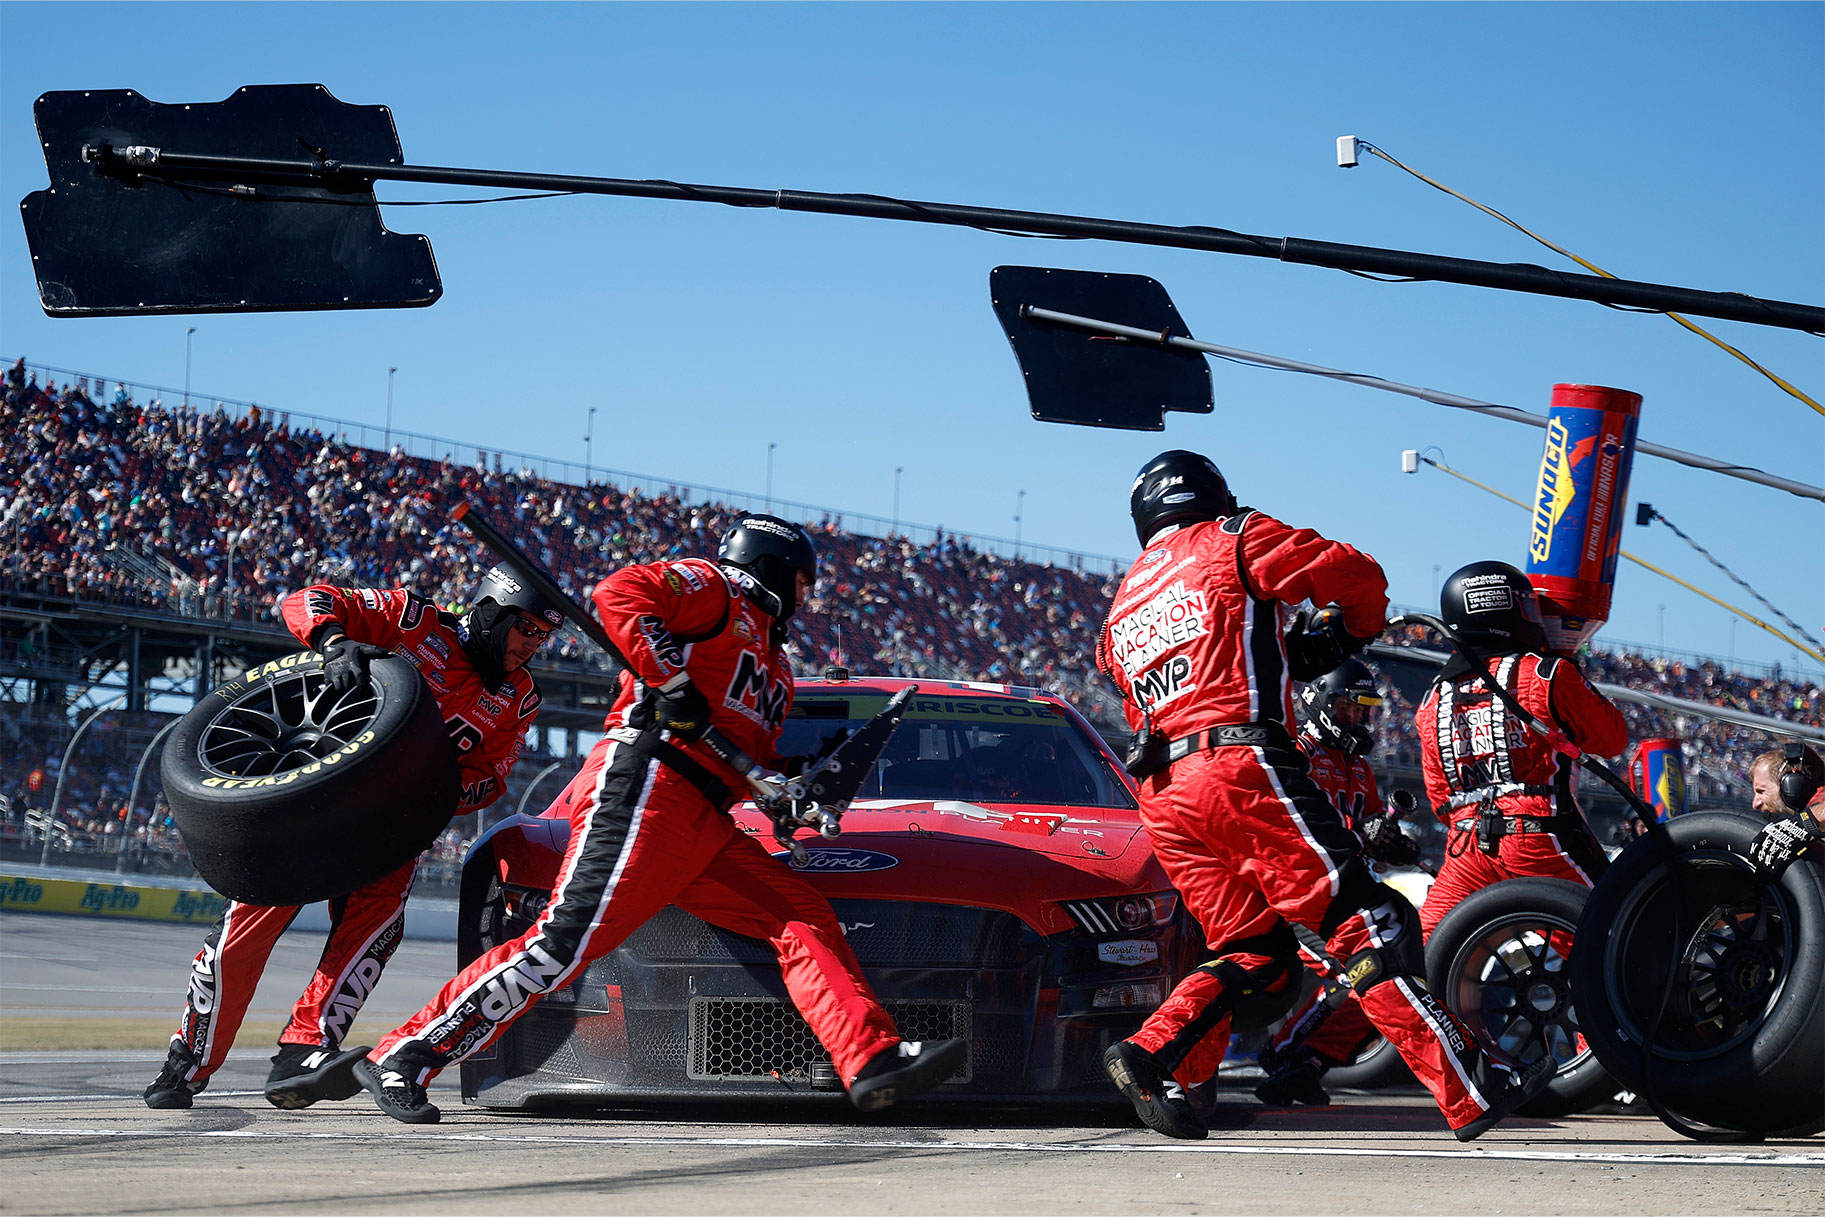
<point x="761" y="524"/>
<point x="842" y="861"/>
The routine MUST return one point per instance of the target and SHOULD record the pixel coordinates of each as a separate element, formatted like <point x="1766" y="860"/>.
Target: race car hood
<point x="1058" y="832"/>
<point x="1025" y="859"/>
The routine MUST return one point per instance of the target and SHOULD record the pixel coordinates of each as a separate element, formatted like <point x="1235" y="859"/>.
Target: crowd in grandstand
<point x="100" y="826"/>
<point x="93" y="816"/>
<point x="211" y="513"/>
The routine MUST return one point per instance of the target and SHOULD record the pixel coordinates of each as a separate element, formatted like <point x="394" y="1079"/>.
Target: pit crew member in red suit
<point x="1194" y="642"/>
<point x="475" y="668"/>
<point x="1338" y="736"/>
<point x="705" y="641"/>
<point x="1507" y="797"/>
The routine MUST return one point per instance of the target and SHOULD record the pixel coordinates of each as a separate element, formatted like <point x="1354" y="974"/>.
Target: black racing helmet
<point x="1492" y="607"/>
<point x="1341" y="704"/>
<point x="500" y="599"/>
<point x="774" y="552"/>
<point x="1177" y="487"/>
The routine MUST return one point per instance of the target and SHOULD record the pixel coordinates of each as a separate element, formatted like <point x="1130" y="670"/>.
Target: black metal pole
<point x="1515" y="276"/>
<point x="1695" y="460"/>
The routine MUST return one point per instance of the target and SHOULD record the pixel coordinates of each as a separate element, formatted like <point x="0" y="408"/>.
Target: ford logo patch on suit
<point x="843" y="860"/>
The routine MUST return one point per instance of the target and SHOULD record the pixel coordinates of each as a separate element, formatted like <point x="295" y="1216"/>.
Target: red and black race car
<point x="992" y="877"/>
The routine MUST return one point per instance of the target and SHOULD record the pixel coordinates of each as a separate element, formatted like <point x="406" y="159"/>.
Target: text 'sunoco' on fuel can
<point x="1576" y="532"/>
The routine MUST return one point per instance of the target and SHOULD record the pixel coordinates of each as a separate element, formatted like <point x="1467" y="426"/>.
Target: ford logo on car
<point x="844" y="861"/>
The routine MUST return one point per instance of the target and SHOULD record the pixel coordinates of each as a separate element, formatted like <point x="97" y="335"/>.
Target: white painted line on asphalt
<point x="1567" y="1157"/>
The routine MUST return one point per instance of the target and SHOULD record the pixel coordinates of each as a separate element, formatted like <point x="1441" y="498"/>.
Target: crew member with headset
<point x="1797" y="826"/>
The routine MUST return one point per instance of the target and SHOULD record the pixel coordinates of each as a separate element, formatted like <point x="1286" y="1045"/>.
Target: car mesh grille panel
<point x="547" y="1043"/>
<point x="882" y="933"/>
<point x="999" y="1045"/>
<point x="653" y="1039"/>
<point x="760" y="1037"/>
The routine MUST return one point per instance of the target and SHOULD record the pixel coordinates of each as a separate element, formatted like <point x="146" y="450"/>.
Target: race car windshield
<point x="973" y="749"/>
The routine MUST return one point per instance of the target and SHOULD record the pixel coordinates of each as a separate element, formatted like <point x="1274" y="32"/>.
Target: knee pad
<point x="1258" y="996"/>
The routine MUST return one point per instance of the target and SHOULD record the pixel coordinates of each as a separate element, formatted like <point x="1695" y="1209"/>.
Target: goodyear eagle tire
<point x="1741" y="1042"/>
<point x="288" y="794"/>
<point x="1501" y="961"/>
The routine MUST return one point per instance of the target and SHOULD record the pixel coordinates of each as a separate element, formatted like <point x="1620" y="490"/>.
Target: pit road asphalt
<point x="76" y="1138"/>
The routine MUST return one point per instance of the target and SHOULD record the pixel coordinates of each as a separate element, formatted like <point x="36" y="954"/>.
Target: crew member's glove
<point x="1782" y="840"/>
<point x="1384" y="841"/>
<point x="1318" y="643"/>
<point x="681" y="709"/>
<point x="345" y="663"/>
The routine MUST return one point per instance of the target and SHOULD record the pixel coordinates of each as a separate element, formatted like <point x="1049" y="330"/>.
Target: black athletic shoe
<point x="1292" y="1079"/>
<point x="911" y="1068"/>
<point x="1520" y="1087"/>
<point x="172" y="1090"/>
<point x="396" y="1094"/>
<point x="304" y="1073"/>
<point x="1158" y="1099"/>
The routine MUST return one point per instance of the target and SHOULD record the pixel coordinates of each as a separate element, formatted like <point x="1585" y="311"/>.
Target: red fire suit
<point x="487" y="724"/>
<point x="1476" y="753"/>
<point x="1194" y="636"/>
<point x="648" y="829"/>
<point x="1349" y="783"/>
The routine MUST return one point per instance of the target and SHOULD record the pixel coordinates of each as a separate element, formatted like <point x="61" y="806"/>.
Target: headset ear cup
<point x="1796" y="782"/>
<point x="1797" y="788"/>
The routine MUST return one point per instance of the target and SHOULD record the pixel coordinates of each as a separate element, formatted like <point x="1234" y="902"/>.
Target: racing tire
<point x="1376" y="1065"/>
<point x="1500" y="960"/>
<point x="1737" y="958"/>
<point x="287" y="794"/>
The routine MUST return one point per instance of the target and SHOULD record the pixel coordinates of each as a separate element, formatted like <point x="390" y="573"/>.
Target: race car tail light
<point x="1123" y="914"/>
<point x="1140" y="995"/>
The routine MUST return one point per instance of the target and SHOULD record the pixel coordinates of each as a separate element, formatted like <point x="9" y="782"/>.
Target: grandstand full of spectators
<point x="218" y="513"/>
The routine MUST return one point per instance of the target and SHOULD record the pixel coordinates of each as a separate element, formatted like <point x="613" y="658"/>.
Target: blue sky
<point x="1673" y="143"/>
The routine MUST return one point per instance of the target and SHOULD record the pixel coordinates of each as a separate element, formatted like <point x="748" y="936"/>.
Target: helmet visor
<point x="1353" y="709"/>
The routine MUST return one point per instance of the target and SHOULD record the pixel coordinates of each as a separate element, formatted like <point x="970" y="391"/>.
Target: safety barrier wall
<point x="82" y="894"/>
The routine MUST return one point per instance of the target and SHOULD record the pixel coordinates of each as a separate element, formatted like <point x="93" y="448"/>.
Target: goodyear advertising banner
<point x="1578" y="505"/>
<point x="1658" y="774"/>
<point x="20" y="894"/>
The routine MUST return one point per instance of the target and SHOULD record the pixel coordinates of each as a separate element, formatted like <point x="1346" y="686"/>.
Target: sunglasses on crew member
<point x="531" y="629"/>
